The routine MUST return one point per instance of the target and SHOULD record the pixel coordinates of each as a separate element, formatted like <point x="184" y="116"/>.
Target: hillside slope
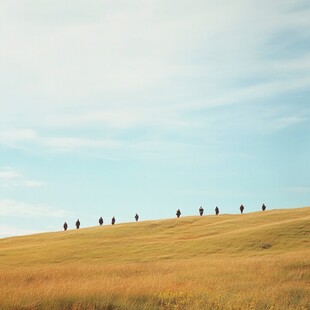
<point x="251" y="261"/>
<point x="247" y="234"/>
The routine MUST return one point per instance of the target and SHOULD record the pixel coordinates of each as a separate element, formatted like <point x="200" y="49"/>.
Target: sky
<point x="111" y="108"/>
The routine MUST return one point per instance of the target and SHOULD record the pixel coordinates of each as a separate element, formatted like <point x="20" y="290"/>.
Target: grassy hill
<point x="251" y="261"/>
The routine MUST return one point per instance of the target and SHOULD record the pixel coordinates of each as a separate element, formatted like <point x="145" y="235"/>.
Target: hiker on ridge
<point x="137" y="217"/>
<point x="217" y="210"/>
<point x="100" y="220"/>
<point x="65" y="226"/>
<point x="201" y="211"/>
<point x="113" y="220"/>
<point x="77" y="224"/>
<point x="263" y="207"/>
<point x="241" y="209"/>
<point x="178" y="213"/>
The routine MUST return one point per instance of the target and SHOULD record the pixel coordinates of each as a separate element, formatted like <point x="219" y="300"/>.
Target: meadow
<point x="258" y="260"/>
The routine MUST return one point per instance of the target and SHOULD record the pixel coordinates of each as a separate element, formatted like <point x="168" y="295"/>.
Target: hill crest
<point x="259" y="233"/>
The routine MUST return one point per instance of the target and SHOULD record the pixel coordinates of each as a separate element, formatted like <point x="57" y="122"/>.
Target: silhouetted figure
<point x="241" y="209"/>
<point x="178" y="213"/>
<point x="137" y="217"/>
<point x="201" y="211"/>
<point x="217" y="210"/>
<point x="113" y="220"/>
<point x="65" y="226"/>
<point x="263" y="207"/>
<point x="101" y="220"/>
<point x="77" y="224"/>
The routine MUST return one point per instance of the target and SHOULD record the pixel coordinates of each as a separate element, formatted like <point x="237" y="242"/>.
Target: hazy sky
<point x="108" y="108"/>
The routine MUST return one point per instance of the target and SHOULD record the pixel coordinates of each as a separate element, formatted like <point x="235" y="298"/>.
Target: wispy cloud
<point x="112" y="66"/>
<point x="148" y="146"/>
<point x="9" y="231"/>
<point x="10" y="177"/>
<point x="299" y="189"/>
<point x="10" y="207"/>
<point x="21" y="137"/>
<point x="284" y="122"/>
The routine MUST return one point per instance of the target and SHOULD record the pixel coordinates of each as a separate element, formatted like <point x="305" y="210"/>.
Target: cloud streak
<point x="128" y="65"/>
<point x="299" y="189"/>
<point x="10" y="178"/>
<point x="29" y="137"/>
<point x="14" y="231"/>
<point x="9" y="207"/>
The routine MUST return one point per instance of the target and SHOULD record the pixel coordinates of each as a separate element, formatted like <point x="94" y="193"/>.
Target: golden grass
<point x="249" y="261"/>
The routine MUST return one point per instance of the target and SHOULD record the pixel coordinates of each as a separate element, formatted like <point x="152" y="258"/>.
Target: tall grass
<point x="254" y="261"/>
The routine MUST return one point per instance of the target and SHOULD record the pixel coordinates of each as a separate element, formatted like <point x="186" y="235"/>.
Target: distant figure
<point x="101" y="220"/>
<point x="241" y="209"/>
<point x="201" y="211"/>
<point x="65" y="226"/>
<point x="113" y="220"/>
<point x="263" y="207"/>
<point x="77" y="224"/>
<point x="137" y="217"/>
<point x="178" y="213"/>
<point x="217" y="210"/>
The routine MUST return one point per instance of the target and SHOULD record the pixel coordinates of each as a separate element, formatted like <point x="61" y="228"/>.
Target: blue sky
<point x="108" y="108"/>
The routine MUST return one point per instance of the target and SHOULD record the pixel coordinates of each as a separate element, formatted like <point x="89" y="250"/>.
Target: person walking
<point x="77" y="224"/>
<point x="217" y="210"/>
<point x="201" y="209"/>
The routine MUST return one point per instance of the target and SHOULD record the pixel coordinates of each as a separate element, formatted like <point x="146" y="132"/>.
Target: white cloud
<point x="122" y="65"/>
<point x="106" y="55"/>
<point x="250" y="94"/>
<point x="22" y="136"/>
<point x="10" y="231"/>
<point x="284" y="122"/>
<point x="107" y="118"/>
<point x="73" y="143"/>
<point x="10" y="207"/>
<point x="10" y="178"/>
<point x="9" y="174"/>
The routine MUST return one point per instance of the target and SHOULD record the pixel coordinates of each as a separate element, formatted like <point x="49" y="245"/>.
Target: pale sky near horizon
<point x="108" y="108"/>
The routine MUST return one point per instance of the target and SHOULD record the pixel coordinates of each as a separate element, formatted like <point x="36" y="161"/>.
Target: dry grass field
<point x="251" y="261"/>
